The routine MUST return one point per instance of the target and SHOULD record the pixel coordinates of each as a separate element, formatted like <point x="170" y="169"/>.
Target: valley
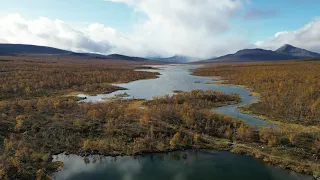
<point x="160" y="90"/>
<point x="40" y="120"/>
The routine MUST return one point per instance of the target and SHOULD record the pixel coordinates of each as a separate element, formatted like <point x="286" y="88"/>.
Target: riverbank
<point x="61" y="124"/>
<point x="299" y="152"/>
<point x="279" y="157"/>
<point x="37" y="128"/>
<point x="187" y="164"/>
<point x="269" y="138"/>
<point x="289" y="89"/>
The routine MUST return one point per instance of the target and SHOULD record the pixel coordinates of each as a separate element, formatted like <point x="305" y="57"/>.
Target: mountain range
<point x="286" y="52"/>
<point x="175" y="59"/>
<point x="15" y="49"/>
<point x="33" y="50"/>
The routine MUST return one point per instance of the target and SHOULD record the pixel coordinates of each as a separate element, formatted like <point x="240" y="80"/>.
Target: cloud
<point x="307" y="37"/>
<point x="256" y="13"/>
<point x="187" y="27"/>
<point x="43" y="31"/>
<point x="94" y="38"/>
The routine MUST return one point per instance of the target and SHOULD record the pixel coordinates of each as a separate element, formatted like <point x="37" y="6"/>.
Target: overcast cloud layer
<point x="187" y="27"/>
<point x="307" y="37"/>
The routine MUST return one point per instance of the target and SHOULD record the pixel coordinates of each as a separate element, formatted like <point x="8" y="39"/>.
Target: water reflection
<point x="176" y="166"/>
<point x="179" y="78"/>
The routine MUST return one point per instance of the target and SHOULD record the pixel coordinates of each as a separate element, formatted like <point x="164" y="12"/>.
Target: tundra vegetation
<point x="23" y="78"/>
<point x="289" y="93"/>
<point x="35" y="126"/>
<point x="290" y="90"/>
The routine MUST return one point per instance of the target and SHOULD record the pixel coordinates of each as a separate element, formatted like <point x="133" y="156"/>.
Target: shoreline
<point x="115" y="86"/>
<point x="233" y="147"/>
<point x="254" y="152"/>
<point x="125" y="129"/>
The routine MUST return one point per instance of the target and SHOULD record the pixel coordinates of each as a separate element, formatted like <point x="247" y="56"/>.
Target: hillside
<point x="15" y="49"/>
<point x="175" y="59"/>
<point x="286" y="52"/>
<point x="44" y="52"/>
<point x="297" y="52"/>
<point x="122" y="57"/>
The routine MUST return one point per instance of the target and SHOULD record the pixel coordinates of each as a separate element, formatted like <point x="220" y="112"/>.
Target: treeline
<point x="27" y="79"/>
<point x="290" y="91"/>
<point x="198" y="98"/>
<point x="40" y="127"/>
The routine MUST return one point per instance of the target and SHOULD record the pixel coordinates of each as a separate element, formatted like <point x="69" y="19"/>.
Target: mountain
<point x="286" y="52"/>
<point x="298" y="52"/>
<point x="110" y="57"/>
<point x="175" y="59"/>
<point x="15" y="49"/>
<point x="123" y="57"/>
<point x="33" y="50"/>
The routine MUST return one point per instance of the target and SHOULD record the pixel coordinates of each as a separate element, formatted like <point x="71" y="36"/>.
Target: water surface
<point x="178" y="77"/>
<point x="188" y="165"/>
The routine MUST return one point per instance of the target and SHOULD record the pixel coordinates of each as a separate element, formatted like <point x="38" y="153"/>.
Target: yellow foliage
<point x="175" y="141"/>
<point x="228" y="132"/>
<point x="19" y="121"/>
<point x="7" y="145"/>
<point x="77" y="123"/>
<point x="92" y="113"/>
<point x="41" y="175"/>
<point x="2" y="173"/>
<point x="241" y="132"/>
<point x="291" y="138"/>
<point x="272" y="141"/>
<point x="146" y="117"/>
<point x="86" y="145"/>
<point x="196" y="137"/>
<point x="289" y="90"/>
<point x="185" y="140"/>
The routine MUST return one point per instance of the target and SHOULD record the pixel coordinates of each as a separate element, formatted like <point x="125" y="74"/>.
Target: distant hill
<point x="15" y="49"/>
<point x="23" y="49"/>
<point x="297" y="52"/>
<point x="286" y="52"/>
<point x="122" y="57"/>
<point x="175" y="59"/>
<point x="111" y="57"/>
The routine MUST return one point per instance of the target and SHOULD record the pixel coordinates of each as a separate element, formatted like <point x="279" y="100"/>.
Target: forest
<point x="35" y="126"/>
<point x="39" y="128"/>
<point x="290" y="91"/>
<point x="28" y="78"/>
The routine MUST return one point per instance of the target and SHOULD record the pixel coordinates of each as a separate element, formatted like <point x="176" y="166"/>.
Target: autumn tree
<point x="241" y="132"/>
<point x="228" y="132"/>
<point x="196" y="138"/>
<point x="291" y="138"/>
<point x="175" y="141"/>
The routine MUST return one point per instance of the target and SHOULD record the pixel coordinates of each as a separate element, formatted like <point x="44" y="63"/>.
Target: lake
<point x="176" y="165"/>
<point x="178" y="77"/>
<point x="188" y="165"/>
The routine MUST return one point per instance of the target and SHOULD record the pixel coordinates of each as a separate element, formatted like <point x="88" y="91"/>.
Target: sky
<point x="161" y="28"/>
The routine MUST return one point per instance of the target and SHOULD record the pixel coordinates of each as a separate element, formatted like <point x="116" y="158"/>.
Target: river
<point x="177" y="165"/>
<point x="178" y="77"/>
